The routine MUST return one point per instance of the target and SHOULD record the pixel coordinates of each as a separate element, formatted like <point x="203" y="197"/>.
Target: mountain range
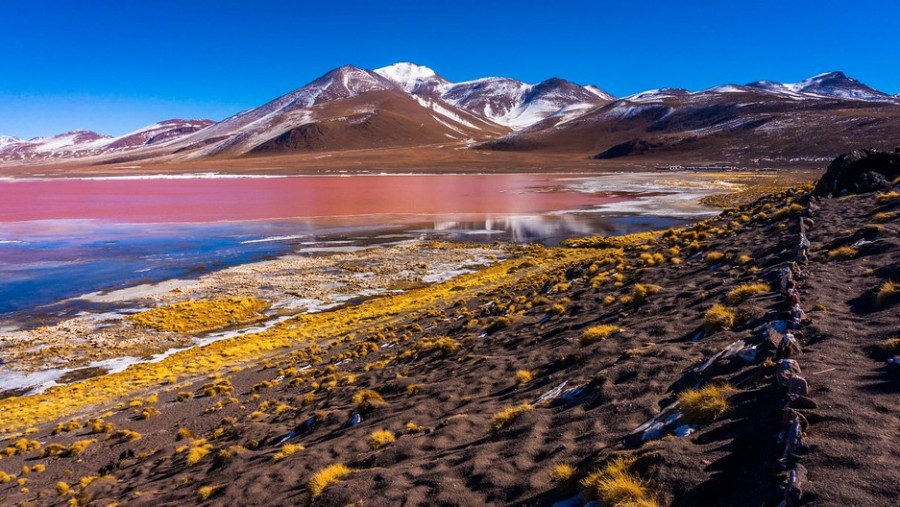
<point x="410" y="106"/>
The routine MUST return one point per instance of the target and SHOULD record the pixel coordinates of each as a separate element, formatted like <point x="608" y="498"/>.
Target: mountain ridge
<point x="410" y="105"/>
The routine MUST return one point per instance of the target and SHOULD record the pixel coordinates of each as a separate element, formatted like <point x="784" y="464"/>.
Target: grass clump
<point x="205" y="492"/>
<point x="885" y="216"/>
<point x="562" y="473"/>
<point x="380" y="438"/>
<point x="886" y="292"/>
<point x="705" y="404"/>
<point x="887" y="197"/>
<point x="556" y="309"/>
<point x="189" y="317"/>
<point x="597" y="333"/>
<point x="326" y="477"/>
<point x="413" y="389"/>
<point x="195" y="454"/>
<point x="890" y="346"/>
<point x="718" y="317"/>
<point x="443" y="343"/>
<point x="713" y="258"/>
<point x="509" y="414"/>
<point x="842" y="253"/>
<point x="62" y="488"/>
<point x="745" y="291"/>
<point x="367" y="399"/>
<point x="523" y="377"/>
<point x="617" y="485"/>
<point x="287" y="450"/>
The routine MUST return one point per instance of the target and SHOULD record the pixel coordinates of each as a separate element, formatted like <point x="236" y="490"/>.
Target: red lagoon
<point x="204" y="199"/>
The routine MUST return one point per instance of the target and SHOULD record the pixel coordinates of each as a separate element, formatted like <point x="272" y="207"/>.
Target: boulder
<point x="859" y="172"/>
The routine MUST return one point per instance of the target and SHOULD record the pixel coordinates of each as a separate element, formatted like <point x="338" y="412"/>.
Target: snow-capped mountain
<point x="517" y="104"/>
<point x="807" y="120"/>
<point x="501" y="100"/>
<point x="349" y="100"/>
<point x="414" y="78"/>
<point x="409" y="105"/>
<point x="86" y="143"/>
<point x="829" y="84"/>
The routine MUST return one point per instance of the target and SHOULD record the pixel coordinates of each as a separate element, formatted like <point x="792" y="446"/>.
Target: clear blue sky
<point x="113" y="66"/>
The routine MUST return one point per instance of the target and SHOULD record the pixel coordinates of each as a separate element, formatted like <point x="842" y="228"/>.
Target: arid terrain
<point x="745" y="360"/>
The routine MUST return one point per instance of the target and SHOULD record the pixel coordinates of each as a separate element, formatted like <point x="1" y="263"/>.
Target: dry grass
<point x="883" y="217"/>
<point x="413" y="428"/>
<point x="705" y="404"/>
<point x="745" y="291"/>
<point x="597" y="333"/>
<point x="887" y="197"/>
<point x="842" y="253"/>
<point x="718" y="317"/>
<point x="886" y="292"/>
<point x="617" y="485"/>
<point x="287" y="450"/>
<point x="523" y="377"/>
<point x="205" y="492"/>
<point x="367" y="399"/>
<point x="713" y="258"/>
<point x="562" y="473"/>
<point x="197" y="316"/>
<point x="326" y="477"/>
<point x="380" y="438"/>
<point x="508" y="414"/>
<point x="195" y="454"/>
<point x="890" y="346"/>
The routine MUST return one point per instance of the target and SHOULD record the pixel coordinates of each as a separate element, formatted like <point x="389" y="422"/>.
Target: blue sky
<point x="113" y="66"/>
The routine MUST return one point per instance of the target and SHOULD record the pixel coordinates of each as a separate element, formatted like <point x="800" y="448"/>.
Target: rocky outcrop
<point x="858" y="172"/>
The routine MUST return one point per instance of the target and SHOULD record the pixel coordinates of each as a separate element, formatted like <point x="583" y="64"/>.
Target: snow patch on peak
<point x="600" y="93"/>
<point x="6" y="140"/>
<point x="408" y="75"/>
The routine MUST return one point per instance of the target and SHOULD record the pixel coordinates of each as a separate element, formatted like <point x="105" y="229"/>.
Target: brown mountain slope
<point x="375" y="120"/>
<point x="737" y="126"/>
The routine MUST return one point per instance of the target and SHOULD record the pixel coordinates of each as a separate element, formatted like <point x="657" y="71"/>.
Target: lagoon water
<point x="60" y="238"/>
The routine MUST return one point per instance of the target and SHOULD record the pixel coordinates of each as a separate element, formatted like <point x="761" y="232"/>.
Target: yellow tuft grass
<point x="287" y="450"/>
<point x="713" y="258"/>
<point x="887" y="197"/>
<point x="195" y="454"/>
<point x="367" y="399"/>
<point x="744" y="259"/>
<point x="189" y="317"/>
<point x="745" y="291"/>
<point x="842" y="253"/>
<point x="508" y="414"/>
<point x="597" y="333"/>
<point x="718" y="317"/>
<point x="890" y="346"/>
<point x="412" y="427"/>
<point x="887" y="291"/>
<point x="523" y="377"/>
<point x="326" y="477"/>
<point x="562" y="473"/>
<point x="705" y="404"/>
<point x="885" y="216"/>
<point x="380" y="438"/>
<point x="205" y="492"/>
<point x="62" y="488"/>
<point x="617" y="485"/>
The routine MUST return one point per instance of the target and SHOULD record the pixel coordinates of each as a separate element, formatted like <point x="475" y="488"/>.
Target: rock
<point x="859" y="172"/>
